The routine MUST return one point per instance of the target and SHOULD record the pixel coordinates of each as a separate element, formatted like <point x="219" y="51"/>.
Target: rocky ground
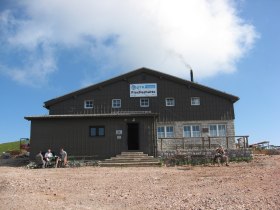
<point x="254" y="185"/>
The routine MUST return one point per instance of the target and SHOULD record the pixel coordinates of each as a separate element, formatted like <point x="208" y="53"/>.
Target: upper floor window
<point x="195" y="101"/>
<point x="144" y="102"/>
<point x="169" y="102"/>
<point x="95" y="131"/>
<point x="116" y="103"/>
<point x="165" y="132"/>
<point x="191" y="131"/>
<point x="88" y="104"/>
<point x="217" y="130"/>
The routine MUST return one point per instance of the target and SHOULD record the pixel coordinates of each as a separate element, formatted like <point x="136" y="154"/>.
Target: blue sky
<point x="50" y="48"/>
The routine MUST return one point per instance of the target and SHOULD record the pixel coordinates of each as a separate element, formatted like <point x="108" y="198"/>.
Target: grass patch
<point x="10" y="146"/>
<point x="4" y="147"/>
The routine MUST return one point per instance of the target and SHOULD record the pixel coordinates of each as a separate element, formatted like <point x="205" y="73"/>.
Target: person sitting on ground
<point x="220" y="155"/>
<point x="48" y="156"/>
<point x="40" y="159"/>
<point x="62" y="159"/>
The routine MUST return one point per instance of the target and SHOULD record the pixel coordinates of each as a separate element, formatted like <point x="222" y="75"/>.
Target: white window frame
<point x="193" y="132"/>
<point x="166" y="133"/>
<point x="116" y="103"/>
<point x="169" y="101"/>
<point x="88" y="104"/>
<point x="97" y="131"/>
<point x="143" y="102"/>
<point x="218" y="130"/>
<point x="161" y="133"/>
<point x="195" y="101"/>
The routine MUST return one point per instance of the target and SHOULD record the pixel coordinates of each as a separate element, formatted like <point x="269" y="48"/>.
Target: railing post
<point x="183" y="143"/>
<point x="227" y="141"/>
<point x="202" y="139"/>
<point x="209" y="139"/>
<point x="161" y="144"/>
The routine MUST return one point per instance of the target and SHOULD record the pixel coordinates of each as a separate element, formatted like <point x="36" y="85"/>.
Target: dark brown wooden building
<point x="130" y="112"/>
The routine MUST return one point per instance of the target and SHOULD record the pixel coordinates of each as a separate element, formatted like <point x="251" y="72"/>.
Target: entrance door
<point x="133" y="136"/>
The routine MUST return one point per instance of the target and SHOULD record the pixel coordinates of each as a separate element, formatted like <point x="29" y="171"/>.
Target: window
<point x="169" y="131"/>
<point x="165" y="132"/>
<point x="191" y="131"/>
<point x="144" y="102"/>
<point x="160" y="132"/>
<point x="116" y="103"/>
<point x="95" y="131"/>
<point x="195" y="101"/>
<point x="213" y="130"/>
<point x="217" y="130"/>
<point x="88" y="104"/>
<point x="169" y="102"/>
<point x="222" y="130"/>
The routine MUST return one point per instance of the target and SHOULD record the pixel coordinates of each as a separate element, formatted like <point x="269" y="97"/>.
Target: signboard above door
<point x="143" y="90"/>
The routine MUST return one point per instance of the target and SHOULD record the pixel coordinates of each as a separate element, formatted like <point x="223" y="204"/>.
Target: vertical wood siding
<point x="212" y="107"/>
<point x="73" y="136"/>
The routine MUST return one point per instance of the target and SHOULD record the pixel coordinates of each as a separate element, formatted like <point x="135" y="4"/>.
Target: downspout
<point x="155" y="138"/>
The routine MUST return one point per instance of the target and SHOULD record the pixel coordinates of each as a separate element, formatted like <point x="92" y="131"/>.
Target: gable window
<point x="191" y="131"/>
<point x="165" y="132"/>
<point x="217" y="130"/>
<point x="95" y="131"/>
<point x="195" y="101"/>
<point x="88" y="104"/>
<point x="116" y="103"/>
<point x="169" y="102"/>
<point x="144" y="102"/>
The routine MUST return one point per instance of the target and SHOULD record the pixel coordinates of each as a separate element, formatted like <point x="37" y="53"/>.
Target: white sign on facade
<point x="143" y="90"/>
<point x="118" y="132"/>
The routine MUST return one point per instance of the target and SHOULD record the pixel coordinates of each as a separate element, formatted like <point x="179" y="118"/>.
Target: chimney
<point x="191" y="75"/>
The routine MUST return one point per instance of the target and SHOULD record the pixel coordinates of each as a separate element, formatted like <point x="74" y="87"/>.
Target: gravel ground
<point x="254" y="185"/>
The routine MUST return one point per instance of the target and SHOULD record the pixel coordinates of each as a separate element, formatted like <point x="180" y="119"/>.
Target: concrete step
<point x="136" y="153"/>
<point x="133" y="155"/>
<point x="133" y="164"/>
<point x="130" y="159"/>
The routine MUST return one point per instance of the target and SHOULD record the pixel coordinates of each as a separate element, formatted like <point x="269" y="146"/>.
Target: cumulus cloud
<point x="159" y="34"/>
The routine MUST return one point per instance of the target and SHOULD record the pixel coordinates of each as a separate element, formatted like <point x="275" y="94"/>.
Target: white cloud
<point x="160" y="34"/>
<point x="33" y="72"/>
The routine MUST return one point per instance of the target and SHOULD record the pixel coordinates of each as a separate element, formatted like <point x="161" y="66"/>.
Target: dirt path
<point x="254" y="185"/>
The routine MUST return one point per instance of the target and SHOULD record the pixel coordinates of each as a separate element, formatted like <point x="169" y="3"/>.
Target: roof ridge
<point x="130" y="73"/>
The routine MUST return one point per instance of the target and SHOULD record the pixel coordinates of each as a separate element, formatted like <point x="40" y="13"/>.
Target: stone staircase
<point x="130" y="159"/>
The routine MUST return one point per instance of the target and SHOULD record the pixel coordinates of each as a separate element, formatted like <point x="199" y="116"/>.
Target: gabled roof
<point x="136" y="72"/>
